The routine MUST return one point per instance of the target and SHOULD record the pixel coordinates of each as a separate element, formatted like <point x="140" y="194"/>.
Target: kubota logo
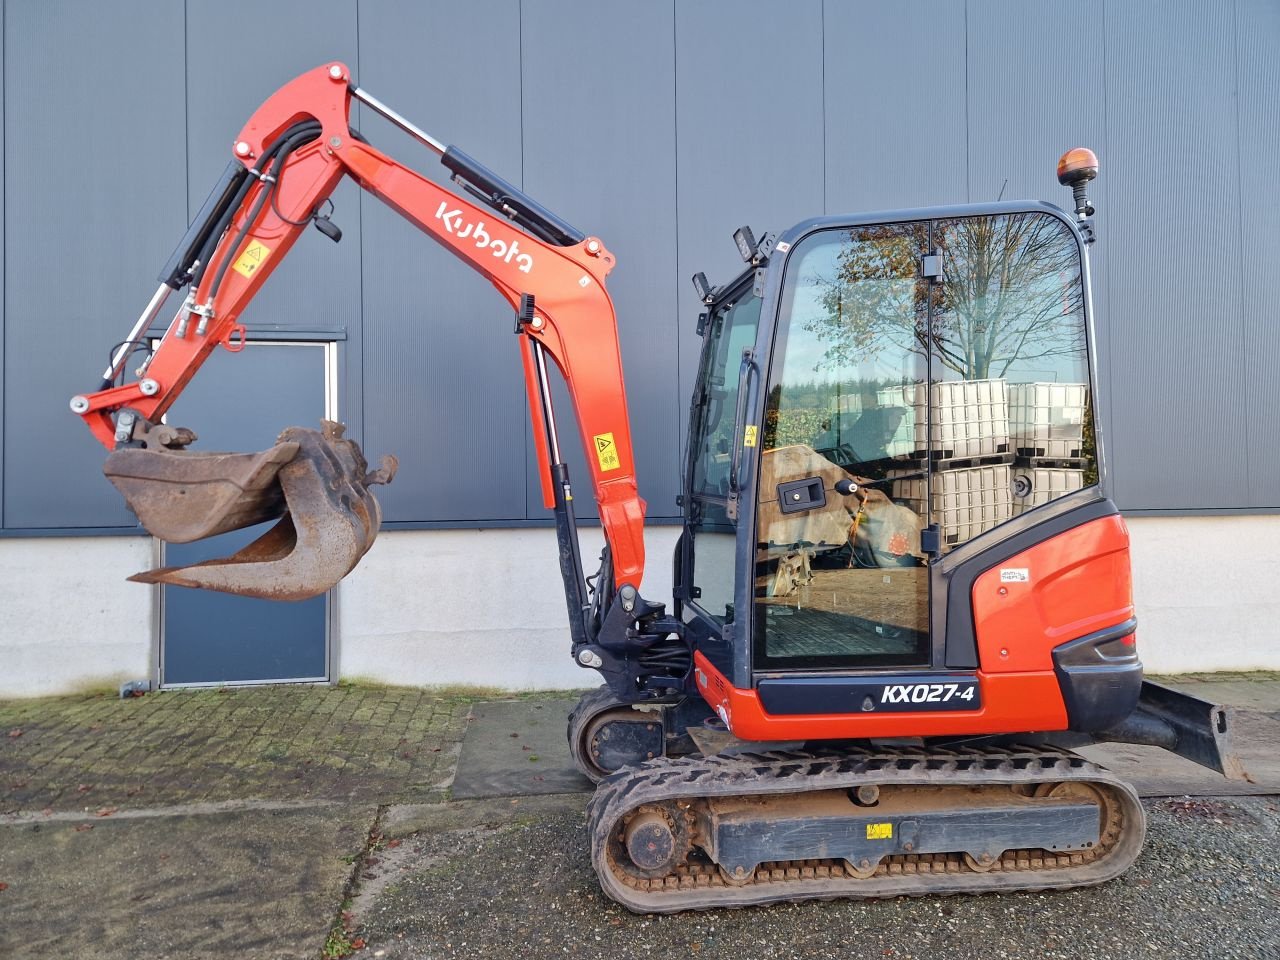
<point x="454" y="223"/>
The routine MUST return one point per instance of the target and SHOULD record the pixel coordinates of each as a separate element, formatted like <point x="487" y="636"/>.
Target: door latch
<point x="795" y="496"/>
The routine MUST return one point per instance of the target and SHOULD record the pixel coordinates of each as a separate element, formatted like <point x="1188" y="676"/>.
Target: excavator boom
<point x="287" y="161"/>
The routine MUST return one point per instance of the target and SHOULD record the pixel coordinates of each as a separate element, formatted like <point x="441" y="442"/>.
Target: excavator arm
<point x="288" y="160"/>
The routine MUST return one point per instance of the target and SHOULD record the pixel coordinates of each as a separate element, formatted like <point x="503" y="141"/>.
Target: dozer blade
<point x="315" y="481"/>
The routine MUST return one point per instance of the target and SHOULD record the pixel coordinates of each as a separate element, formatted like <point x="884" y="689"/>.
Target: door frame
<point x="330" y="357"/>
<point x="772" y="345"/>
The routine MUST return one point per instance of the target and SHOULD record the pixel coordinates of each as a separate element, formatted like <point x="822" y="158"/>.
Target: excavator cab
<point x="898" y="401"/>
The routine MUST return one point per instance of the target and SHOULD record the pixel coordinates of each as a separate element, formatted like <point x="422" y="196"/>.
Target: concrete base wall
<point x="68" y="619"/>
<point x="1206" y="592"/>
<point x="485" y="607"/>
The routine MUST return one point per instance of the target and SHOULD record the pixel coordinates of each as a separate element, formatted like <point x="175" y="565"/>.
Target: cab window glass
<point x="1013" y="425"/>
<point x="733" y="328"/>
<point x="840" y="575"/>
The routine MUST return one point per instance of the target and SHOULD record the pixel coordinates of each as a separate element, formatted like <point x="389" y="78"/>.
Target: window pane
<point x="734" y="330"/>
<point x="714" y="535"/>
<point x="1008" y="339"/>
<point x="840" y="579"/>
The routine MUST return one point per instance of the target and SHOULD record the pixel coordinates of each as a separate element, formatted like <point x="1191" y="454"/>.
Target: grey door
<point x="241" y="402"/>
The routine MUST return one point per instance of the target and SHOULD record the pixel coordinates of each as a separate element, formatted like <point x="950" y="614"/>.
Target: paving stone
<point x="174" y="747"/>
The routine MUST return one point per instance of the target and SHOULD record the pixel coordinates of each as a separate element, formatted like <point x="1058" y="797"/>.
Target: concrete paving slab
<point x="403" y="820"/>
<point x="360" y="745"/>
<point x="504" y="737"/>
<point x="1260" y="696"/>
<point x="259" y="883"/>
<point x="517" y="748"/>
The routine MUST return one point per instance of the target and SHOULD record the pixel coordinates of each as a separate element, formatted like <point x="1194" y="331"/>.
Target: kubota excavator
<point x="901" y="595"/>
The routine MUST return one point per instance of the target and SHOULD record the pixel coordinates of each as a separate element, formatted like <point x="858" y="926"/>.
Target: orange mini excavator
<point x="901" y="595"/>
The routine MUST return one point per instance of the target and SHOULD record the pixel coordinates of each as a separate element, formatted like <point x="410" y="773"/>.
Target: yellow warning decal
<point x="606" y="452"/>
<point x="255" y="254"/>
<point x="749" y="436"/>
<point x="879" y="831"/>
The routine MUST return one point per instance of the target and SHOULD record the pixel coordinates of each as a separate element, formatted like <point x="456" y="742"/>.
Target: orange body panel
<point x="1012" y="702"/>
<point x="1077" y="582"/>
<point x="574" y="320"/>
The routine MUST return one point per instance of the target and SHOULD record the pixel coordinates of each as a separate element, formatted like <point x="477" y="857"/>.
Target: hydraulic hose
<point x="276" y="154"/>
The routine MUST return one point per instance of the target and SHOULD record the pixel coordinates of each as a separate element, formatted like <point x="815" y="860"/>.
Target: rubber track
<point x="775" y="774"/>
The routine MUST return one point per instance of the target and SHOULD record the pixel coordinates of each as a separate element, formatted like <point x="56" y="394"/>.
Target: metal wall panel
<point x="1258" y="82"/>
<point x="2" y="234"/>
<point x="662" y="127"/>
<point x="318" y="288"/>
<point x="895" y="105"/>
<point x="270" y="44"/>
<point x="1032" y="96"/>
<point x="599" y="149"/>
<point x="749" y="138"/>
<point x="95" y="199"/>
<point x="1173" y="229"/>
<point x="444" y="388"/>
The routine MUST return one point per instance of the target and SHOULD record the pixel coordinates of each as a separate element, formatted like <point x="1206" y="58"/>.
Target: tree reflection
<point x="1010" y="293"/>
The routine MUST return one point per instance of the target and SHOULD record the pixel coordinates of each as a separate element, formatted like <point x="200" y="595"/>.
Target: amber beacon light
<point x="1077" y="167"/>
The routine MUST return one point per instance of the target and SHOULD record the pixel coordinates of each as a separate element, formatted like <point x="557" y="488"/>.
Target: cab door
<point x="928" y="384"/>
<point x="841" y="566"/>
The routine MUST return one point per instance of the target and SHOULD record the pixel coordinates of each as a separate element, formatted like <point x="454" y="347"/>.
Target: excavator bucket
<point x="314" y="481"/>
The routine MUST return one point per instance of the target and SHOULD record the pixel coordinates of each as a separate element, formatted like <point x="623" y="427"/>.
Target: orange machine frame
<point x="1079" y="583"/>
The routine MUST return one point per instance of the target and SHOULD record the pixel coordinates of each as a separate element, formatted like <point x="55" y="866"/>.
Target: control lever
<point x="328" y="228"/>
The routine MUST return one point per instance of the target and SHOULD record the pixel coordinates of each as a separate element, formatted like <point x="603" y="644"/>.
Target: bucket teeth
<point x="315" y="481"/>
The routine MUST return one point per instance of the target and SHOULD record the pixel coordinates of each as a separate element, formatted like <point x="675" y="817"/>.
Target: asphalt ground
<point x="518" y="882"/>
<point x="309" y="822"/>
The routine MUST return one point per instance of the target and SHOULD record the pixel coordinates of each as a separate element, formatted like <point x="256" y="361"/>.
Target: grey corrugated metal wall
<point x="660" y="127"/>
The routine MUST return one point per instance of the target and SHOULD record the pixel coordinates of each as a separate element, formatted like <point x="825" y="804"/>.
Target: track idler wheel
<point x="606" y="735"/>
<point x="737" y="877"/>
<point x="315" y="481"/>
<point x="981" y="863"/>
